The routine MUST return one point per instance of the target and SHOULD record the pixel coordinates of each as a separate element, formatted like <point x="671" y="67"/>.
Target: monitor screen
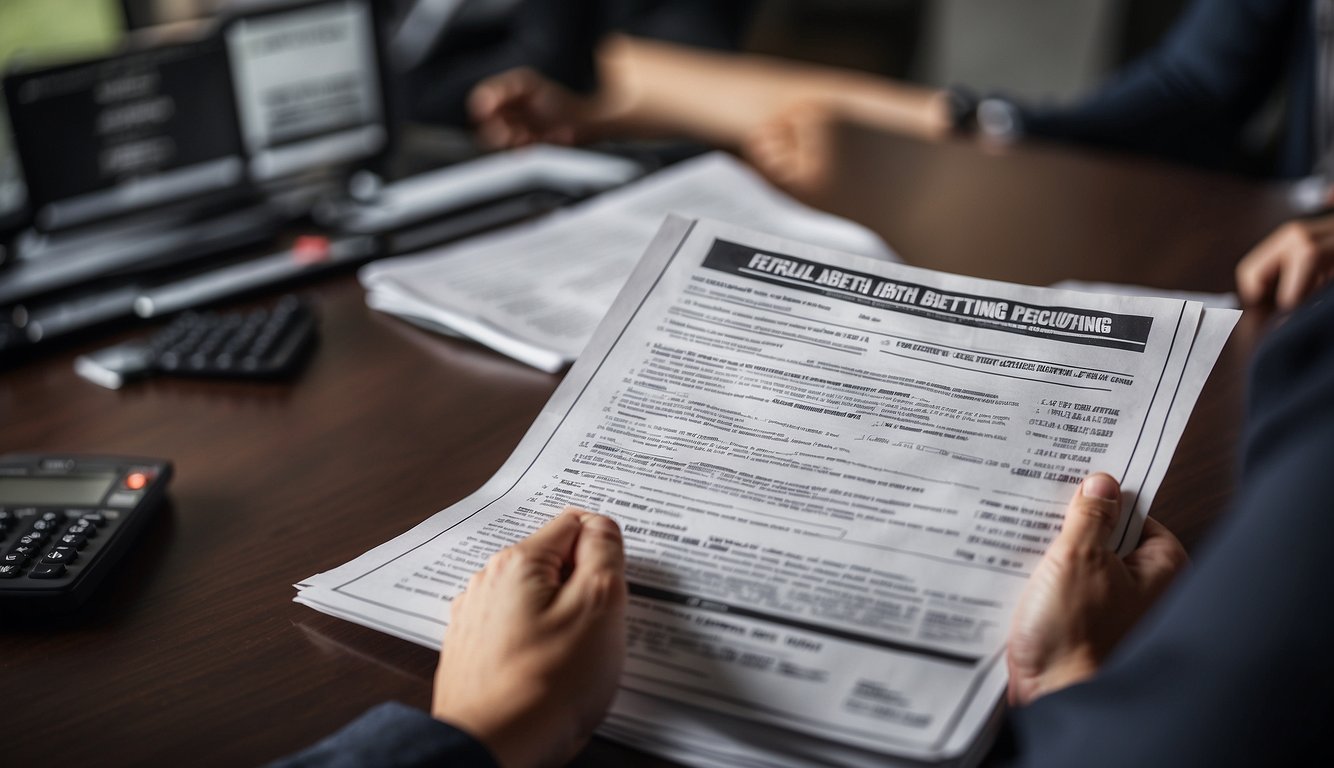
<point x="44" y="30"/>
<point x="126" y="132"/>
<point x="307" y="87"/>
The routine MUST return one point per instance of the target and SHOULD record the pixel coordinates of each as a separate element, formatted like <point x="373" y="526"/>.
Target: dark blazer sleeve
<point x="1234" y="666"/>
<point x="393" y="735"/>
<point x="1190" y="97"/>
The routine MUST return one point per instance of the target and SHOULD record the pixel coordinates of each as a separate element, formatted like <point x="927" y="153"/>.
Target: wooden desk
<point x="195" y="654"/>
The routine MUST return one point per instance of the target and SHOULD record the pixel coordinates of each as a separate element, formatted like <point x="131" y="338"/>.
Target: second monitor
<point x="308" y="87"/>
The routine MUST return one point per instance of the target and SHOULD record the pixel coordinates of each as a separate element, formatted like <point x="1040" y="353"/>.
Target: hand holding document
<point x="834" y="475"/>
<point x="537" y="292"/>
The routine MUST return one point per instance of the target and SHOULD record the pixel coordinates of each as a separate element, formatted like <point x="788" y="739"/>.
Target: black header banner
<point x="1077" y="326"/>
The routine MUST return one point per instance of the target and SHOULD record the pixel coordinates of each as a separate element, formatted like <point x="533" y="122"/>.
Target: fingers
<point x="599" y="548"/>
<point x="494" y="94"/>
<point x="793" y="149"/>
<point x="1091" y="515"/>
<point x="598" y="579"/>
<point x="498" y="105"/>
<point x="556" y="538"/>
<point x="1158" y="558"/>
<point x="1288" y="265"/>
<point x="1257" y="273"/>
<point x="1297" y="275"/>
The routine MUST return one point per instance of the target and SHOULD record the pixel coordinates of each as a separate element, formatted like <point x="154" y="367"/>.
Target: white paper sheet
<point x="537" y="292"/>
<point x="834" y="475"/>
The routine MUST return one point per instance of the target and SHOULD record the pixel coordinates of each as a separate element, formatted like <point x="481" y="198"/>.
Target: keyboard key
<point x="47" y="571"/>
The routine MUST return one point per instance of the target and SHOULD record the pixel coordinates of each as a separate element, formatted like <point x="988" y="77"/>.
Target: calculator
<point x="65" y="520"/>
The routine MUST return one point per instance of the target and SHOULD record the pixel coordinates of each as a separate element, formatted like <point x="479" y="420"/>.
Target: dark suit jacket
<point x="1234" y="666"/>
<point x="1191" y="97"/>
<point x="393" y="735"/>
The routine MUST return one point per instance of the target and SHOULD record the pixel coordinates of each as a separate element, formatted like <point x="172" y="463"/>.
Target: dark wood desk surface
<point x="195" y="654"/>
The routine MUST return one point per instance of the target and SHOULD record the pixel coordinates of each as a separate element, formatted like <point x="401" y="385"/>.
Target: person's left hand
<point x="533" y="653"/>
<point x="1082" y="599"/>
<point x="1290" y="264"/>
<point x="522" y="106"/>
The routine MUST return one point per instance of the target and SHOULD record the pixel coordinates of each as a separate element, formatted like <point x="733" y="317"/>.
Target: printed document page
<point x="537" y="292"/>
<point x="833" y="473"/>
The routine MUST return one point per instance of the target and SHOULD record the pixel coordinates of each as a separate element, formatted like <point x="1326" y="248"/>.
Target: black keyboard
<point x="259" y="344"/>
<point x="262" y="342"/>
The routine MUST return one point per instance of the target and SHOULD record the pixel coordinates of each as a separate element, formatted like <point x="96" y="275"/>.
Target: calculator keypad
<point x="46" y="544"/>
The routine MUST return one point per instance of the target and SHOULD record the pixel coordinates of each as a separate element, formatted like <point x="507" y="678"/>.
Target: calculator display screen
<point x="75" y="490"/>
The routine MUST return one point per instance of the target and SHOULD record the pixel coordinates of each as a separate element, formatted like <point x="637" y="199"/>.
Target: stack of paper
<point x="537" y="292"/>
<point x="834" y="475"/>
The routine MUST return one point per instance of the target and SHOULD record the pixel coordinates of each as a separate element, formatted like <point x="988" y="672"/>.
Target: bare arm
<point x="654" y="89"/>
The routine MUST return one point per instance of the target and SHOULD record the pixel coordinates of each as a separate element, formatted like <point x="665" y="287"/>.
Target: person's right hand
<point x="533" y="653"/>
<point x="795" y="148"/>
<point x="522" y="106"/>
<point x="1290" y="264"/>
<point x="1082" y="599"/>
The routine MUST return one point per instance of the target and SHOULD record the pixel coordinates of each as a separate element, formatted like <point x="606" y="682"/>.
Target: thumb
<point x="1091" y="515"/>
<point x="598" y="578"/>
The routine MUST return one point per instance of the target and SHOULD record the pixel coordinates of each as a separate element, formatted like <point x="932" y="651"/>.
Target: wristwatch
<point x="992" y="117"/>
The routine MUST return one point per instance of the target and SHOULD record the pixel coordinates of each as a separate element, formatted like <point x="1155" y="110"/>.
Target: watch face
<point x="999" y="119"/>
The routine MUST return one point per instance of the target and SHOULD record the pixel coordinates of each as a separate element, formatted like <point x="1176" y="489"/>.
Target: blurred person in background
<point x="1188" y="100"/>
<point x="443" y="48"/>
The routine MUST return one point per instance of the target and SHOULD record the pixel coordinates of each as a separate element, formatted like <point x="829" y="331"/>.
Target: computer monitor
<point x="131" y="131"/>
<point x="35" y="31"/>
<point x="308" y="84"/>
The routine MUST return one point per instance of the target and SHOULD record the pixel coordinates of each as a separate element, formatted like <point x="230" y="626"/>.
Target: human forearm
<point x="659" y="89"/>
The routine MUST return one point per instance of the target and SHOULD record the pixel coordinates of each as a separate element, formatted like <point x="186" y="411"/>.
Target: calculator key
<point x="26" y="550"/>
<point x="14" y="558"/>
<point x="52" y="517"/>
<point x="60" y="555"/>
<point x="94" y="518"/>
<point x="75" y="540"/>
<point x="86" y="530"/>
<point x="33" y="537"/>
<point x="10" y="571"/>
<point x="124" y="498"/>
<point x="42" y="524"/>
<point x="47" y="571"/>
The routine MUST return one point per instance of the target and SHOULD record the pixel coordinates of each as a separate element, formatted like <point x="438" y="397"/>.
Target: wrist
<point x="515" y="729"/>
<point x="1076" y="666"/>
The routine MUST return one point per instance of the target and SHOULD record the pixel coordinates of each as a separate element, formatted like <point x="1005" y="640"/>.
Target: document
<point x="537" y="292"/>
<point x="834" y="475"/>
<point x="1227" y="300"/>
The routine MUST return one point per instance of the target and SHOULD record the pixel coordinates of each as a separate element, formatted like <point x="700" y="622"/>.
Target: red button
<point x="311" y="249"/>
<point x="136" y="481"/>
